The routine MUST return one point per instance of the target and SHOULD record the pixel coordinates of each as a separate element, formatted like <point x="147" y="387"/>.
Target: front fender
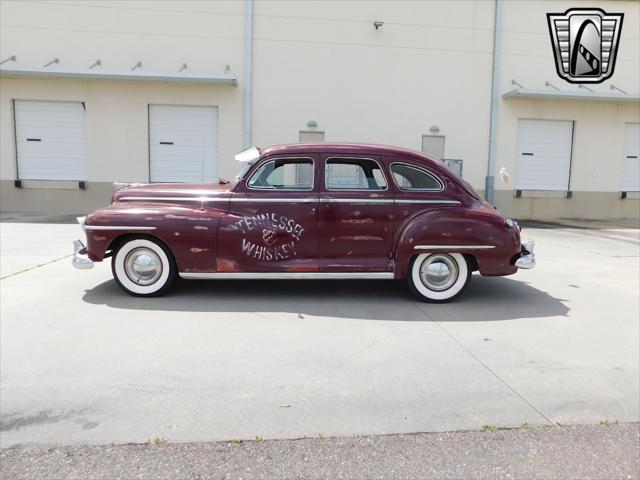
<point x="189" y="232"/>
<point x="476" y="231"/>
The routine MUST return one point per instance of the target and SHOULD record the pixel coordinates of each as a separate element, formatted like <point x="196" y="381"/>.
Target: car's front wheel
<point x="143" y="267"/>
<point x="438" y="277"/>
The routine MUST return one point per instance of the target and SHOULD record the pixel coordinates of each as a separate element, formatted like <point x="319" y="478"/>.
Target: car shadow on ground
<point x="486" y="299"/>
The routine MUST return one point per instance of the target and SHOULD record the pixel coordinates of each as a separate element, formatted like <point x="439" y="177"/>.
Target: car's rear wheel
<point x="438" y="277"/>
<point x="143" y="267"/>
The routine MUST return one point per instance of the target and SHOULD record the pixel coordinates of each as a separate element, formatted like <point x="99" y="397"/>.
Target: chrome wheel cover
<point x="439" y="272"/>
<point x="143" y="266"/>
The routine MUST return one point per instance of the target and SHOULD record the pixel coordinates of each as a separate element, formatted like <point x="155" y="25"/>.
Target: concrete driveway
<point x="83" y="363"/>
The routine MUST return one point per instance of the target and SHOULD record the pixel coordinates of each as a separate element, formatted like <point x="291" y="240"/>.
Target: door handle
<point x="34" y="139"/>
<point x="166" y="143"/>
<point x="527" y="153"/>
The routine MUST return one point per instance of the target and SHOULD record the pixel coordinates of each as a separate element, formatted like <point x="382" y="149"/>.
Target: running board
<point x="288" y="275"/>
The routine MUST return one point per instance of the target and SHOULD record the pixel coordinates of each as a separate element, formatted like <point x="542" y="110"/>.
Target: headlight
<point x="511" y="223"/>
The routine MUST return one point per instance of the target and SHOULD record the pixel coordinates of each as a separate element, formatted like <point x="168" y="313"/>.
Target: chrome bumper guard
<point x="528" y="258"/>
<point x="80" y="260"/>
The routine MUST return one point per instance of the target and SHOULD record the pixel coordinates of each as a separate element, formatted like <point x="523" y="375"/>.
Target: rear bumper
<point x="80" y="259"/>
<point x="527" y="259"/>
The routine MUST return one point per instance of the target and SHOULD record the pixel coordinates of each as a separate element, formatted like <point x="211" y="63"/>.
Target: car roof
<point x="347" y="148"/>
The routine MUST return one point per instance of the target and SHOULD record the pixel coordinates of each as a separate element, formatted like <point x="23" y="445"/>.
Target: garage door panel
<point x="630" y="168"/>
<point x="543" y="159"/>
<point x="51" y="140"/>
<point x="190" y="152"/>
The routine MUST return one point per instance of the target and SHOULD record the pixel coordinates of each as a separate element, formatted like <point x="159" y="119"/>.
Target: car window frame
<point x="420" y="169"/>
<point x="324" y="174"/>
<point x="259" y="165"/>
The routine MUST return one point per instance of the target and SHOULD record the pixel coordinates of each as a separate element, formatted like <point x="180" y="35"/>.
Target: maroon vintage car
<point x="323" y="210"/>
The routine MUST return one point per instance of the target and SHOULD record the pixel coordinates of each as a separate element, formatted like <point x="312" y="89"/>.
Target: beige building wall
<point x="206" y="36"/>
<point x="429" y="64"/>
<point x="599" y="126"/>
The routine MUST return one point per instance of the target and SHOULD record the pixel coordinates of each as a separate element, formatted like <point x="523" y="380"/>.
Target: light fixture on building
<point x="183" y="68"/>
<point x="55" y="60"/>
<point x="549" y="84"/>
<point x="97" y="63"/>
<point x="513" y="82"/>
<point x="12" y="58"/>
<point x="137" y="65"/>
<point x="585" y="87"/>
<point x="613" y="87"/>
<point x="312" y="124"/>
<point x="377" y="24"/>
<point x="434" y="128"/>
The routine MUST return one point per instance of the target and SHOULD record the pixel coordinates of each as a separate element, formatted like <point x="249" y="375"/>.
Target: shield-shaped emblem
<point x="585" y="43"/>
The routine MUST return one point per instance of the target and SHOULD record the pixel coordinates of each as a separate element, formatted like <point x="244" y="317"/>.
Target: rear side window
<point x="354" y="174"/>
<point x="284" y="174"/>
<point x="408" y="177"/>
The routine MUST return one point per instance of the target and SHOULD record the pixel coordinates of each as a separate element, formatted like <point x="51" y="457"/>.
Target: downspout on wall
<point x="495" y="97"/>
<point x="248" y="74"/>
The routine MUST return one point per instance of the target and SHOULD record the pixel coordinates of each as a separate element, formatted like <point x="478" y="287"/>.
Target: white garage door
<point x="51" y="140"/>
<point x="183" y="143"/>
<point x="544" y="154"/>
<point x="630" y="172"/>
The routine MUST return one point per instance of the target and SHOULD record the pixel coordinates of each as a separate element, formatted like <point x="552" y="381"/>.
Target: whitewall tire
<point x="438" y="277"/>
<point x="143" y="267"/>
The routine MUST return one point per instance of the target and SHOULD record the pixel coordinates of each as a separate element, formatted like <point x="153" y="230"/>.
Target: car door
<point x="355" y="217"/>
<point x="272" y="224"/>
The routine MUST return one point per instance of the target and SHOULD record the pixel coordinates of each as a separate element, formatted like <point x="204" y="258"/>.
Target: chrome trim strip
<point x="176" y="199"/>
<point x="274" y="200"/>
<point x="454" y="247"/>
<point x="356" y="200"/>
<point x="288" y="275"/>
<point x="445" y="202"/>
<point x="116" y="227"/>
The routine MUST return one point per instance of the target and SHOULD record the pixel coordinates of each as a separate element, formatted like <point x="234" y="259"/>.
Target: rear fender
<point x="477" y="232"/>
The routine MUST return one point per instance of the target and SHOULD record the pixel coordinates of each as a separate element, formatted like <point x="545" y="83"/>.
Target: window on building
<point x="51" y="140"/>
<point x="354" y="174"/>
<point x="543" y="158"/>
<point x="630" y="170"/>
<point x="408" y="177"/>
<point x="311" y="137"/>
<point x="433" y="145"/>
<point x="284" y="174"/>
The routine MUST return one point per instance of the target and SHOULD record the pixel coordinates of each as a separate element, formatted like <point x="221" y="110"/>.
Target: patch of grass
<point x="608" y="423"/>
<point x="524" y="425"/>
<point x="489" y="428"/>
<point x="259" y="439"/>
<point x="560" y="424"/>
<point x="156" y="441"/>
<point x="236" y="440"/>
<point x="321" y="435"/>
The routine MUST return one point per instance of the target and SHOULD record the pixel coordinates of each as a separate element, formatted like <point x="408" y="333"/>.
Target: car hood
<point x="167" y="192"/>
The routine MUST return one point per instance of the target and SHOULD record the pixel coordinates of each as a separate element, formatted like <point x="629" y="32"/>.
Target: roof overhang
<point x="584" y="95"/>
<point x="124" y="75"/>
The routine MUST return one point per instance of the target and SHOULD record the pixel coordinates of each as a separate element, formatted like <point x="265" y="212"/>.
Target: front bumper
<point x="528" y="258"/>
<point x="80" y="259"/>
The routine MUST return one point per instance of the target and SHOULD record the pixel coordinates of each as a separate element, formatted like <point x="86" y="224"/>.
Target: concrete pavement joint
<point x="35" y="266"/>
<point x="477" y="359"/>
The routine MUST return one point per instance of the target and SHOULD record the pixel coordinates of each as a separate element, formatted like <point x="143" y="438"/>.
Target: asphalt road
<point x="82" y="363"/>
<point x="586" y="452"/>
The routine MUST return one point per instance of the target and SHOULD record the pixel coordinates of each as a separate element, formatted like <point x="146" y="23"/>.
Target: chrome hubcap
<point x="439" y="272"/>
<point x="143" y="266"/>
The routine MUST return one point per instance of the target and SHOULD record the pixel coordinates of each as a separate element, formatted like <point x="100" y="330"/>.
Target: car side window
<point x="354" y="174"/>
<point x="408" y="177"/>
<point x="284" y="174"/>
